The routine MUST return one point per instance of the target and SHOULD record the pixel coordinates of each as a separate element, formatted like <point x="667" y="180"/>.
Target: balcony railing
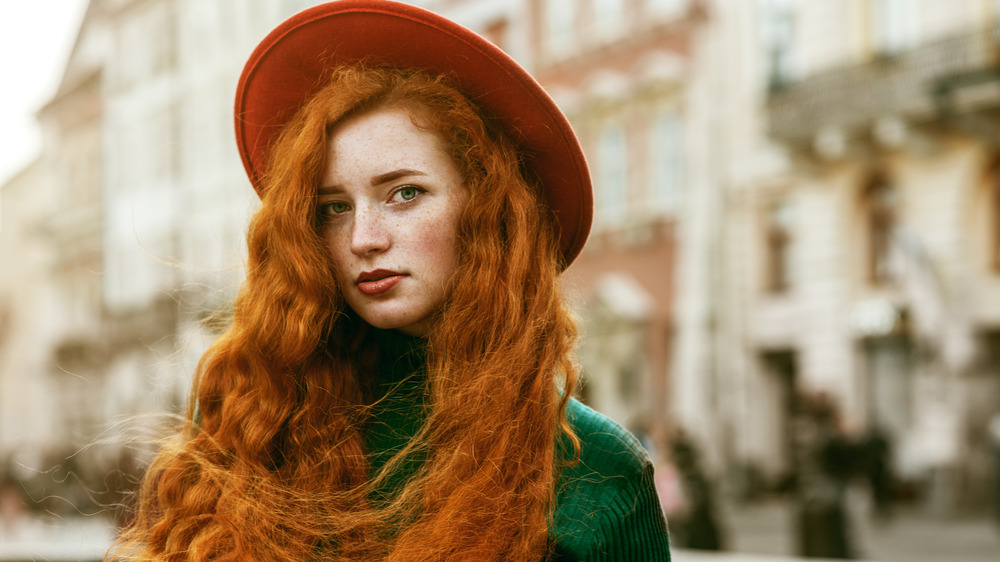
<point x="919" y="84"/>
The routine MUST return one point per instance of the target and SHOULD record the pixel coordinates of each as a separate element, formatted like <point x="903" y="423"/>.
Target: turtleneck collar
<point x="394" y="343"/>
<point x="400" y="355"/>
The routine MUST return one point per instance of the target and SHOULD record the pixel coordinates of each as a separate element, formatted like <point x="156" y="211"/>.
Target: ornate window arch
<point x="991" y="198"/>
<point x="779" y="232"/>
<point x="881" y="209"/>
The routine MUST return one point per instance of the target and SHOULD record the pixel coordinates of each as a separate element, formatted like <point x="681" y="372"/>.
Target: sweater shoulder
<point x="606" y="503"/>
<point x="606" y="448"/>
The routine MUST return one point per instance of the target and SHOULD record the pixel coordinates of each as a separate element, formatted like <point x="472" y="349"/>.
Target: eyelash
<point x="416" y="190"/>
<point x="322" y="211"/>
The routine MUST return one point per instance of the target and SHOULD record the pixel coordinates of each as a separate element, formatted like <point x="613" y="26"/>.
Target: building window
<point x="994" y="214"/>
<point x="559" y="21"/>
<point x="882" y="209"/>
<point x="777" y="30"/>
<point x="146" y="46"/>
<point x="779" y="239"/>
<point x="893" y="25"/>
<point x="609" y="16"/>
<point x="889" y="369"/>
<point x="666" y="161"/>
<point x="667" y="7"/>
<point x="160" y="145"/>
<point x="989" y="351"/>
<point x="612" y="172"/>
<point x="130" y="175"/>
<point x="777" y="398"/>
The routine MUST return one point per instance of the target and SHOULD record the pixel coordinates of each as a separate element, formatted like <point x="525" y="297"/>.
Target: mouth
<point x="378" y="282"/>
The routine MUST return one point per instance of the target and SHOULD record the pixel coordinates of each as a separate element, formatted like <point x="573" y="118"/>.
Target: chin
<point x="413" y="318"/>
<point x="406" y="324"/>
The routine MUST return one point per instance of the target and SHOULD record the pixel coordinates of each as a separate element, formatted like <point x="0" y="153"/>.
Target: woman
<point x="396" y="382"/>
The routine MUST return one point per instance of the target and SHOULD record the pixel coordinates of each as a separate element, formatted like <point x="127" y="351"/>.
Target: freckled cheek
<point x="343" y="279"/>
<point x="438" y="242"/>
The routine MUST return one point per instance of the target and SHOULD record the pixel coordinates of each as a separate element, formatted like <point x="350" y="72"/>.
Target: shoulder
<point x="606" y="448"/>
<point x="606" y="503"/>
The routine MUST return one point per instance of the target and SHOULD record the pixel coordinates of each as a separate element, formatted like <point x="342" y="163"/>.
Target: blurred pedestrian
<point x="697" y="525"/>
<point x="397" y="380"/>
<point x="12" y="505"/>
<point x="994" y="428"/>
<point x="826" y="460"/>
<point x="876" y="454"/>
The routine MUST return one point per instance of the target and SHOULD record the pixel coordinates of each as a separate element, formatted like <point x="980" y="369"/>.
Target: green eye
<point x="334" y="208"/>
<point x="407" y="192"/>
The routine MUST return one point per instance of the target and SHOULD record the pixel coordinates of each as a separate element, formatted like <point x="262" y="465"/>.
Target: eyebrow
<point x="377" y="180"/>
<point x="395" y="175"/>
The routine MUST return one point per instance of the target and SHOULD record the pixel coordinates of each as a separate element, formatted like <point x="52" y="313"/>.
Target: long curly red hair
<point x="275" y="468"/>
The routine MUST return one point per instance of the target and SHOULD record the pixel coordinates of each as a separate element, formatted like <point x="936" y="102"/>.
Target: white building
<point x="863" y="261"/>
<point x="129" y="228"/>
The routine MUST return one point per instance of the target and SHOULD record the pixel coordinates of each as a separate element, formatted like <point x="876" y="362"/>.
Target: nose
<point x="369" y="234"/>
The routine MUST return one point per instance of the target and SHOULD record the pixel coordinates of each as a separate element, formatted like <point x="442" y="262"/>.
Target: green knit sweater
<point x="606" y="505"/>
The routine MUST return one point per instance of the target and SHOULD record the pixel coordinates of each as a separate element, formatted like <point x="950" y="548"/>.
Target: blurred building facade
<point x="864" y="263"/>
<point x="124" y="234"/>
<point x="51" y="241"/>
<point x="625" y="74"/>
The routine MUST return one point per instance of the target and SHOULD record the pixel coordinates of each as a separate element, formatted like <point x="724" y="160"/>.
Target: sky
<point x="36" y="37"/>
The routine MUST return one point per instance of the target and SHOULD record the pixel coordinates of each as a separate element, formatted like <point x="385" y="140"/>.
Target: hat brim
<point x="285" y="69"/>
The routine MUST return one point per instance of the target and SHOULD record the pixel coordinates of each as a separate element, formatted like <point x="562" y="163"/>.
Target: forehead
<point x="386" y="124"/>
<point x="382" y="138"/>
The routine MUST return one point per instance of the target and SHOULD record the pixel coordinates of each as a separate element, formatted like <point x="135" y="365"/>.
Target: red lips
<point x="378" y="282"/>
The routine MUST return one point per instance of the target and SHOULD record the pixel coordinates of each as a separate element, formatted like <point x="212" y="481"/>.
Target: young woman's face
<point x="390" y="201"/>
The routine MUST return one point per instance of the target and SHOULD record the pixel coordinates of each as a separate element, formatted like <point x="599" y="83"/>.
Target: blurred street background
<point x="791" y="292"/>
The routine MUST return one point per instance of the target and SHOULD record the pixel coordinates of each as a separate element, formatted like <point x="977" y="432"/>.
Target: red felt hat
<point x="284" y="71"/>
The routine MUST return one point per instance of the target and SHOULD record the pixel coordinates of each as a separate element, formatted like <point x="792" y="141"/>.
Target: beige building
<point x="51" y="240"/>
<point x="863" y="262"/>
<point x="627" y="74"/>
<point x="26" y="338"/>
<point x="127" y="230"/>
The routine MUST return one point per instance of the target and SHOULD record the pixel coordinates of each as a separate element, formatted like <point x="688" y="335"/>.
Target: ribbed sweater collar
<point x="400" y="356"/>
